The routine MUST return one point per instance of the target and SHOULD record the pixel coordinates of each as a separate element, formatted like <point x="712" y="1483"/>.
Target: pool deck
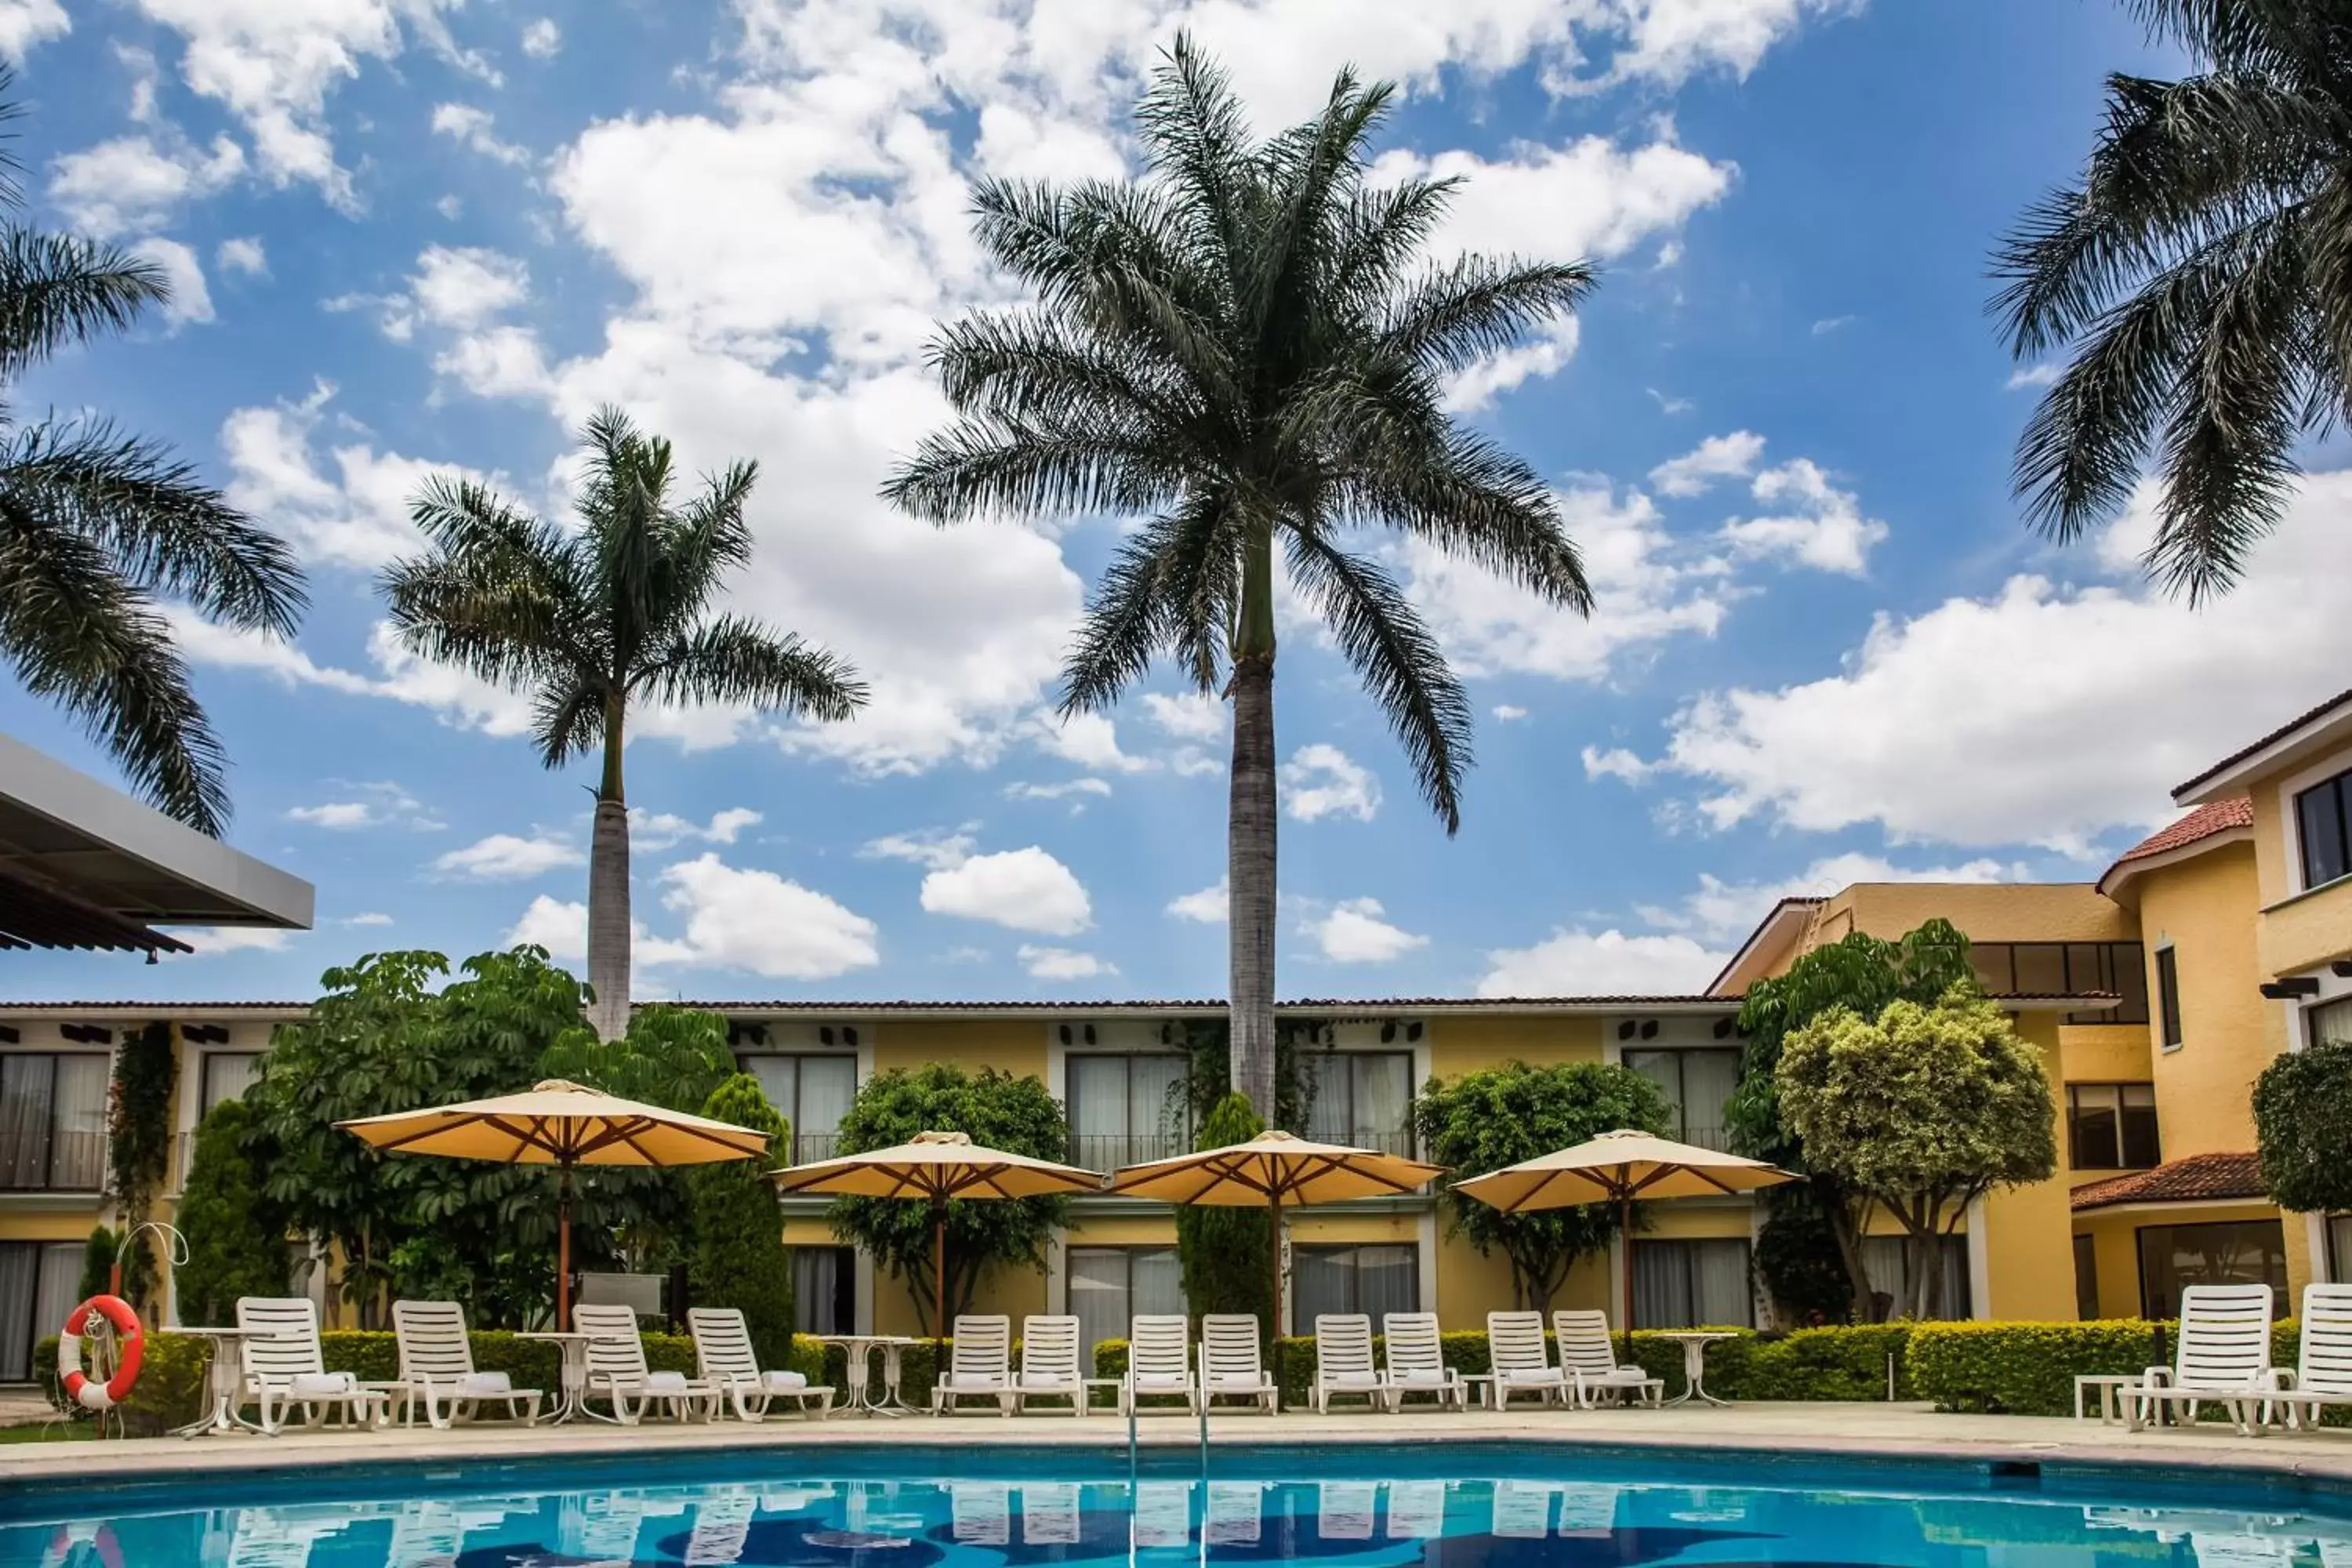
<point x="1905" y="1431"/>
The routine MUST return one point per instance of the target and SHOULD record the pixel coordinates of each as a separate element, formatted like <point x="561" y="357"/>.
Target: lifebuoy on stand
<point x="79" y="1387"/>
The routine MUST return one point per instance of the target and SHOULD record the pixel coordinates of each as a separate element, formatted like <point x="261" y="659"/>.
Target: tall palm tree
<point x="1246" y="347"/>
<point x="2200" y="277"/>
<point x="585" y="621"/>
<point x="96" y="525"/>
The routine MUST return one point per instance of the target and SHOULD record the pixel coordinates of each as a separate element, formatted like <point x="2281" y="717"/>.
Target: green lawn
<point x="53" y="1432"/>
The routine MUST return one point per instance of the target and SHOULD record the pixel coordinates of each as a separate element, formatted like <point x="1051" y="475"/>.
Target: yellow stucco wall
<point x="2202" y="908"/>
<point x="1460" y="1045"/>
<point x="1991" y="911"/>
<point x="1016" y="1045"/>
<point x="2296" y="932"/>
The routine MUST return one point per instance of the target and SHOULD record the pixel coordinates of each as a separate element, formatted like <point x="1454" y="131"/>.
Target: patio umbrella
<point x="937" y="1166"/>
<point x="1271" y="1171"/>
<point x="562" y="1125"/>
<point x="1619" y="1167"/>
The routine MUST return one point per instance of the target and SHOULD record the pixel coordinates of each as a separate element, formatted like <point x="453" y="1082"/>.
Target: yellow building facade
<point x="2156" y="995"/>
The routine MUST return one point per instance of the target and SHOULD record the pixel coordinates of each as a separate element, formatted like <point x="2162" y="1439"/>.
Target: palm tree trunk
<point x="608" y="893"/>
<point x="1250" y="839"/>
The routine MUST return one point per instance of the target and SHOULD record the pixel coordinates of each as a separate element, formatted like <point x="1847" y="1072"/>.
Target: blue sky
<point x="417" y="235"/>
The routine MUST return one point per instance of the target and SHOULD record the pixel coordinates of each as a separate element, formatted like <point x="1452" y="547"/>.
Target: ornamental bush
<point x="739" y="1258"/>
<point x="2029" y="1369"/>
<point x="2303" y="1122"/>
<point x="1223" y="1251"/>
<point x="236" y="1236"/>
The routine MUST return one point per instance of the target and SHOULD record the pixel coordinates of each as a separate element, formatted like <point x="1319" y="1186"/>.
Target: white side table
<point x="2109" y="1385"/>
<point x="1694" y="1343"/>
<point x="224" y="1383"/>
<point x="571" y="1385"/>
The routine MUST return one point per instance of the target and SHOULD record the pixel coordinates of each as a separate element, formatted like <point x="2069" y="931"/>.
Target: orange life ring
<point x="77" y="1383"/>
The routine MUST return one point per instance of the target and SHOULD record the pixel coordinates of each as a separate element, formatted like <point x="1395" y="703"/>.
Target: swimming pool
<point x="1487" y="1506"/>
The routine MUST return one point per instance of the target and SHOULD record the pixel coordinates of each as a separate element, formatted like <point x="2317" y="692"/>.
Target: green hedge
<point x="2029" y="1369"/>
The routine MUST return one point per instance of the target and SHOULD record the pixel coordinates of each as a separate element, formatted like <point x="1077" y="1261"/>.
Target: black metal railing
<point x="810" y="1147"/>
<point x="1109" y="1150"/>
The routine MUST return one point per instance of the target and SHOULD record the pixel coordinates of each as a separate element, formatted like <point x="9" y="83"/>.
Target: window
<point x="2168" y="992"/>
<point x="2329" y="1022"/>
<point x="1363" y="1099"/>
<point x="53" y="1122"/>
<point x="2067" y="969"/>
<point x="1373" y="1280"/>
<point x="1886" y="1263"/>
<point x="1698" y="1084"/>
<point x="812" y="1092"/>
<point x="1126" y="1109"/>
<point x="39" y="1282"/>
<point x="2231" y="1252"/>
<point x="2112" y="1127"/>
<point x="2086" y="1279"/>
<point x="1109" y="1286"/>
<point x="825" y="1289"/>
<point x="228" y="1075"/>
<point x="2320" y="814"/>
<point x="1692" y="1284"/>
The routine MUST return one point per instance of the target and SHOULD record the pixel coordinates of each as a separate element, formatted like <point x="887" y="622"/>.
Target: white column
<point x="1979" y="1263"/>
<point x="1425" y="1250"/>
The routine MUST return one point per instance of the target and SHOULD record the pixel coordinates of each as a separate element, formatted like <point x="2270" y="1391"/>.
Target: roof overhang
<point x="2118" y="876"/>
<point x="1774" y="935"/>
<point x="83" y="865"/>
<point x="2324" y="729"/>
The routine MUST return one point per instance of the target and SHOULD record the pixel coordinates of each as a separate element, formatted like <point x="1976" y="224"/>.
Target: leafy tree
<point x="97" y="526"/>
<point x="1861" y="974"/>
<point x="1246" y="347"/>
<point x="588" y="620"/>
<point x="1922" y="1110"/>
<point x="1499" y="1116"/>
<point x="1223" y="1251"/>
<point x="2200" y="278"/>
<point x="991" y="1108"/>
<point x="237" y="1236"/>
<point x="739" y="1234"/>
<point x="382" y="1040"/>
<point x="139" y="1145"/>
<point x="2303" y="1122"/>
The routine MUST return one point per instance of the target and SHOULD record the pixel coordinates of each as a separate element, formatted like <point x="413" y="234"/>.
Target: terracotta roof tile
<point x="2220" y="816"/>
<point x="2242" y="752"/>
<point x="2200" y="1178"/>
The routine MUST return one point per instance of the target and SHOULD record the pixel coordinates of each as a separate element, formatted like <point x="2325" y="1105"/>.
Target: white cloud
<point x="1723" y="912"/>
<point x="137" y="185"/>
<point x="934" y="848"/>
<point x="337" y="814"/>
<point x="1671" y="406"/>
<point x="1027" y="889"/>
<point x="189" y="300"/>
<point x="2043" y="713"/>
<point x="1829" y="324"/>
<point x="659" y="830"/>
<point x="506" y="856"/>
<point x="1061" y="964"/>
<point x="1669" y="41"/>
<point x="761" y="923"/>
<point x="1605" y="963"/>
<point x="354" y="513"/>
<point x="212" y="942"/>
<point x="2043" y="374"/>
<point x="24" y="23"/>
<point x="1066" y="789"/>
<point x="243" y="254"/>
<point x="1616" y="762"/>
<point x="559" y="925"/>
<point x="1208" y="907"/>
<point x="1188" y="715"/>
<point x="466" y="286"/>
<point x="371" y="918"/>
<point x="383" y="804"/>
<point x="1089" y="740"/>
<point x="472" y="129"/>
<point x="1477" y="385"/>
<point x="1353" y="932"/>
<point x="1823" y="526"/>
<point x="1321" y="780"/>
<point x="541" y="39"/>
<point x="1509" y="712"/>
<point x="1732" y="457"/>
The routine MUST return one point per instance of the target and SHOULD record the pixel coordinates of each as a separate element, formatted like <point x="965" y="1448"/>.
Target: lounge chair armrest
<point x="2156" y="1376"/>
<point x="2279" y="1377"/>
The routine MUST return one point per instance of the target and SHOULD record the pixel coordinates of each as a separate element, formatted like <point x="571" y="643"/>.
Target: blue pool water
<point x="1391" y="1507"/>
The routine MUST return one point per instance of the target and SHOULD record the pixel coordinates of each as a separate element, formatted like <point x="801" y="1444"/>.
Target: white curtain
<point x="60" y="1290"/>
<point x="779" y="1078"/>
<point x="228" y="1075"/>
<point x="1156" y="1113"/>
<point x="1331" y="1110"/>
<point x="1720" y="1294"/>
<point x="1098" y="1103"/>
<point x="1661" y="1285"/>
<point x="26" y="1083"/>
<point x="2331" y="1022"/>
<point x="78" y="1161"/>
<point x="816" y="1290"/>
<point x="19" y="1270"/>
<point x="1155" y="1280"/>
<point x="1886" y="1261"/>
<point x="1383" y="1102"/>
<point x="828" y="1087"/>
<point x="1099" y="1296"/>
<point x="1692" y="1284"/>
<point x="1708" y="1079"/>
<point x="1388" y="1280"/>
<point x="1322" y="1279"/>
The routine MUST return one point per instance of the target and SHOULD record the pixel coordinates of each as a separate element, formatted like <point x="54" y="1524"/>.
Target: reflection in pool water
<point x="1440" y="1523"/>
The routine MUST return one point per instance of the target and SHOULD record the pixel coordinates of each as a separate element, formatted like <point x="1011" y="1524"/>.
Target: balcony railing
<point x="73" y="1163"/>
<point x="1716" y="1138"/>
<point x="1107" y="1151"/>
<point x="810" y="1147"/>
<point x="1397" y="1141"/>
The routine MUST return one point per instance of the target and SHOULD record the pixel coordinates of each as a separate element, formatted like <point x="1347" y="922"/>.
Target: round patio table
<point x="1694" y="1343"/>
<point x="224" y="1383"/>
<point x="857" y="1386"/>
<point x="572" y="1385"/>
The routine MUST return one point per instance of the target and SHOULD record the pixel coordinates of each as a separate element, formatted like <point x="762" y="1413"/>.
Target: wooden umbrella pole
<point x="1625" y="1228"/>
<point x="1274" y="1267"/>
<point x="563" y="1252"/>
<point x="939" y="1269"/>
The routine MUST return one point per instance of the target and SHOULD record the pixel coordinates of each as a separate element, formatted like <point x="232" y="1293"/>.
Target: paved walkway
<point x="1858" y="1430"/>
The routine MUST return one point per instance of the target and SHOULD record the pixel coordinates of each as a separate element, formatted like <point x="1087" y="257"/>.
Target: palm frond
<point x="1196" y="135"/>
<point x="57" y="290"/>
<point x="1021" y="468"/>
<point x="501" y="593"/>
<point x="1399" y="660"/>
<point x="1480" y="306"/>
<point x="1170" y="588"/>
<point x="735" y="660"/>
<point x="567" y="717"/>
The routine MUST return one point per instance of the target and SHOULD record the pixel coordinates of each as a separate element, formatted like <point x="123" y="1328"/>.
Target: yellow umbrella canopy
<point x="936" y="1166"/>
<point x="556" y="1122"/>
<point x="1271" y="1170"/>
<point x="1620" y="1167"/>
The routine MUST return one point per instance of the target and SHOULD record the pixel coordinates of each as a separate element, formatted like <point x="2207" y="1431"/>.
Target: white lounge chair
<point x="1415" y="1359"/>
<point x="1515" y="1346"/>
<point x="1049" y="1363"/>
<point x="1343" y="1363"/>
<point x="1231" y="1365"/>
<point x="2222" y="1356"/>
<point x="1344" y="1510"/>
<point x="979" y="1364"/>
<point x="1236" y="1511"/>
<point x="1050" y="1514"/>
<point x="980" y="1513"/>
<point x="1159" y="1360"/>
<point x="437" y="1369"/>
<point x="1589" y="1356"/>
<point x="287" y="1370"/>
<point x="725" y="1360"/>
<point x="617" y="1369"/>
<point x="1416" y="1508"/>
<point x="2322" y="1372"/>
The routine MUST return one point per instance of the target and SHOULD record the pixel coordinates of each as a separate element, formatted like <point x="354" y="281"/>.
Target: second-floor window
<point x="2112" y="1127"/>
<point x="813" y="1092"/>
<point x="1363" y="1099"/>
<point x="2067" y="969"/>
<point x="2323" y="825"/>
<point x="228" y="1075"/>
<point x="2329" y="1023"/>
<point x="53" y="1121"/>
<point x="1698" y="1084"/>
<point x="1125" y="1109"/>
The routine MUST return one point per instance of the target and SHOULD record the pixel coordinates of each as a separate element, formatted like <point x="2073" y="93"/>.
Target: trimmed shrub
<point x="1223" y="1251"/>
<point x="2029" y="1369"/>
<point x="236" y="1236"/>
<point x="739" y="1258"/>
